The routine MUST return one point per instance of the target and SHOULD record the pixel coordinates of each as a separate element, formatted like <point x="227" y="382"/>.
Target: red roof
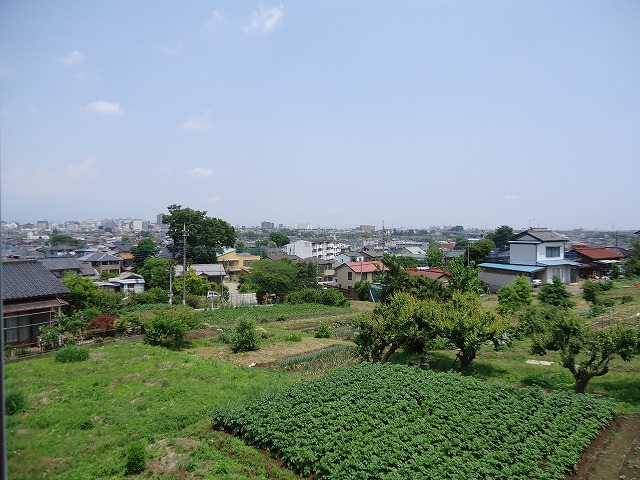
<point x="366" y="267"/>
<point x="434" y="273"/>
<point x="599" y="253"/>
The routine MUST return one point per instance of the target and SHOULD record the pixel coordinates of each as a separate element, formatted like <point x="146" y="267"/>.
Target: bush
<point x="245" y="336"/>
<point x="293" y="337"/>
<point x="166" y="329"/>
<point x="329" y="296"/>
<point x="72" y="353"/>
<point x="323" y="331"/>
<point x="151" y="296"/>
<point x="626" y="299"/>
<point x="15" y="402"/>
<point x="135" y="458"/>
<point x="102" y="324"/>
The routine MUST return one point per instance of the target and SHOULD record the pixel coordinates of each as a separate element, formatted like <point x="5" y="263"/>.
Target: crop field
<point x="397" y="422"/>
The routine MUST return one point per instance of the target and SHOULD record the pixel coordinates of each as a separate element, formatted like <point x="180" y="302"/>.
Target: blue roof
<point x="549" y="263"/>
<point x="513" y="268"/>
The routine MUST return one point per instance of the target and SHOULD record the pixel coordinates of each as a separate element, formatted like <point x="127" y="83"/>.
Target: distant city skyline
<point x="330" y="113"/>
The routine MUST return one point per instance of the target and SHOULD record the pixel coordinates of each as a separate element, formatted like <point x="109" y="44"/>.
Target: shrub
<point x="102" y="324"/>
<point x="135" y="458"/>
<point x="166" y="329"/>
<point x="323" y="331"/>
<point x="72" y="353"/>
<point x="537" y="379"/>
<point x="293" y="337"/>
<point x="245" y="336"/>
<point x="15" y="402"/>
<point x="329" y="296"/>
<point x="626" y="299"/>
<point x="590" y="291"/>
<point x="151" y="296"/>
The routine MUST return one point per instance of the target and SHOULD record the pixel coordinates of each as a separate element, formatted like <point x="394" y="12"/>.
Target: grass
<point x="81" y="416"/>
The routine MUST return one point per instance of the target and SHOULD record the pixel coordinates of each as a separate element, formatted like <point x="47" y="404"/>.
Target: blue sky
<point x="330" y="113"/>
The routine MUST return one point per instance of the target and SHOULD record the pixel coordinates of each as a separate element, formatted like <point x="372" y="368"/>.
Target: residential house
<point x="537" y="254"/>
<point x="596" y="262"/>
<point x="348" y="274"/>
<point x="211" y="272"/>
<point x="434" y="273"/>
<point x="325" y="268"/>
<point x="350" y="256"/>
<point x="410" y="251"/>
<point x="59" y="251"/>
<point x="236" y="262"/>
<point x="30" y="299"/>
<point x="314" y="247"/>
<point x="372" y="255"/>
<point x="103" y="262"/>
<point x="61" y="265"/>
<point x="128" y="282"/>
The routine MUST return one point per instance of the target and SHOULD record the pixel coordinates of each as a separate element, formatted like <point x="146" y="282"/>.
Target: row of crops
<point x="384" y="421"/>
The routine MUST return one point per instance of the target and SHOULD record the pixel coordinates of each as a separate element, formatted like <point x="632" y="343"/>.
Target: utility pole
<point x="185" y="234"/>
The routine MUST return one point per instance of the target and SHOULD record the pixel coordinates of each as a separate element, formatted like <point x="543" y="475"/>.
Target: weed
<point x="135" y="458"/>
<point x="15" y="402"/>
<point x="72" y="353"/>
<point x="323" y="331"/>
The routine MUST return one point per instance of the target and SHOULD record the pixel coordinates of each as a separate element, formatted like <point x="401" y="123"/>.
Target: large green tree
<point x="144" y="249"/>
<point x="279" y="238"/>
<point x="585" y="351"/>
<point x="155" y="272"/>
<point x="512" y="298"/>
<point x="465" y="277"/>
<point x="279" y="278"/>
<point x="58" y="239"/>
<point x="206" y="236"/>
<point x="479" y="251"/>
<point x="632" y="263"/>
<point x="435" y="257"/>
<point x="468" y="325"/>
<point x="501" y="236"/>
<point x="400" y="321"/>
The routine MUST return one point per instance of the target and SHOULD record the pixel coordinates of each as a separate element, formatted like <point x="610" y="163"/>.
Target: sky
<point x="334" y="114"/>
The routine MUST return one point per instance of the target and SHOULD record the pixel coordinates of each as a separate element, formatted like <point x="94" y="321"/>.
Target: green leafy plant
<point x="72" y="353"/>
<point x="245" y="337"/>
<point x="323" y="331"/>
<point x="15" y="402"/>
<point x="166" y="329"/>
<point x="135" y="458"/>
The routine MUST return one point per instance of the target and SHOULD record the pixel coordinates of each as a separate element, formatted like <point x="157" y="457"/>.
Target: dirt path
<point x="614" y="454"/>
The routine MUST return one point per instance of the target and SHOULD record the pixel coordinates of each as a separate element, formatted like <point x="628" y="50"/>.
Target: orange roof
<point x="434" y="273"/>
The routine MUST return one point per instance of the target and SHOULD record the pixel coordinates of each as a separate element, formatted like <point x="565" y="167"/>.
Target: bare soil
<point x="614" y="454"/>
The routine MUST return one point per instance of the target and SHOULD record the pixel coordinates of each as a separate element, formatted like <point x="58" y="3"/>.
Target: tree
<point x="556" y="294"/>
<point x="82" y="291"/>
<point x="144" y="249"/>
<point x="195" y="285"/>
<point x="435" y="257"/>
<point x="269" y="277"/>
<point x="57" y="239"/>
<point x="632" y="263"/>
<point x="586" y="352"/>
<point x="468" y="326"/>
<point x="155" y="272"/>
<point x="245" y="336"/>
<point x="390" y="326"/>
<point x="513" y="298"/>
<point x="279" y="238"/>
<point x="206" y="236"/>
<point x="480" y="250"/>
<point x="465" y="278"/>
<point x="501" y="236"/>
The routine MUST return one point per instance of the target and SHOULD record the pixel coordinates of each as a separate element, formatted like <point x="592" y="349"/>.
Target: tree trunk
<point x="465" y="359"/>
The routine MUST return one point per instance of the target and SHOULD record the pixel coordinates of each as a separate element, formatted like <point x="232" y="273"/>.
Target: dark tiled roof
<point x="542" y="234"/>
<point x="28" y="279"/>
<point x="61" y="263"/>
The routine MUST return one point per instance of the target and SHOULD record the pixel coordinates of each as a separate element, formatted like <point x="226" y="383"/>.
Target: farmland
<point x="80" y="418"/>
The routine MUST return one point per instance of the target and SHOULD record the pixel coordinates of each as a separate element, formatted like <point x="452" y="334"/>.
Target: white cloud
<point x="215" y="18"/>
<point x="265" y="19"/>
<point x="74" y="58"/>
<point x="175" y="50"/>
<point x="511" y="197"/>
<point x="104" y="108"/>
<point x="84" y="170"/>
<point x="201" y="172"/>
<point x="201" y="122"/>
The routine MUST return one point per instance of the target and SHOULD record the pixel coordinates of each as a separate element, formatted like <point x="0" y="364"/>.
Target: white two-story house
<point x="536" y="253"/>
<point x="324" y="248"/>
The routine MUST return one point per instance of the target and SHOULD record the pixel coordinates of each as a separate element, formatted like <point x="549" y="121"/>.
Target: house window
<point x="350" y="275"/>
<point x="17" y="329"/>
<point x="553" y="252"/>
